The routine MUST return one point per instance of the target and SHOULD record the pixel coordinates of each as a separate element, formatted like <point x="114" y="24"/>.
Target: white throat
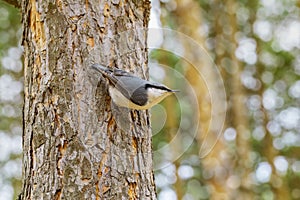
<point x="154" y="97"/>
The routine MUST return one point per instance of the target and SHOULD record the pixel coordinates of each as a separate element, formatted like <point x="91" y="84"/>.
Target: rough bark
<point x="75" y="146"/>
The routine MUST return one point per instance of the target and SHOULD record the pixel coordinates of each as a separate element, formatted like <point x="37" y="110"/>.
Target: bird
<point x="130" y="91"/>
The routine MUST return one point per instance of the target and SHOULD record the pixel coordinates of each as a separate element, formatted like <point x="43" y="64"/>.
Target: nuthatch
<point x="127" y="90"/>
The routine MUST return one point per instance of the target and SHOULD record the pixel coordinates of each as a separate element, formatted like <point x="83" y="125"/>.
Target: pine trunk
<point x="75" y="146"/>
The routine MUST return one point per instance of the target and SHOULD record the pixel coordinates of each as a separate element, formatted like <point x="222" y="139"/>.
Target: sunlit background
<point x="256" y="48"/>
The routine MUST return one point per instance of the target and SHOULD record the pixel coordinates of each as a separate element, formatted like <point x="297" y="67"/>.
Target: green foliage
<point x="10" y="102"/>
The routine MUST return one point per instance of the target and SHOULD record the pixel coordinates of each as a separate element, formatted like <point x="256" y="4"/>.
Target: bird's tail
<point x="106" y="72"/>
<point x="100" y="68"/>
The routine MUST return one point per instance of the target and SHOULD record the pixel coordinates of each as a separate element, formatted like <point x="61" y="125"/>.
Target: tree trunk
<point x="74" y="146"/>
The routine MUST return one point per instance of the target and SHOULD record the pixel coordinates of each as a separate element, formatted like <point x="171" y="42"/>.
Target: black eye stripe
<point x="157" y="87"/>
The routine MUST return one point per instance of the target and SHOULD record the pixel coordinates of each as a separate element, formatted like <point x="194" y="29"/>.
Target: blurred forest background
<point x="256" y="47"/>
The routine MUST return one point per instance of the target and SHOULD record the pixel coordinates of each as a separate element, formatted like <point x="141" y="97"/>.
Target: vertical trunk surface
<point x="75" y="146"/>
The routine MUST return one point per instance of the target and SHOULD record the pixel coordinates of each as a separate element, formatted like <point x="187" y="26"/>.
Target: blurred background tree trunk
<point x="205" y="134"/>
<point x="74" y="147"/>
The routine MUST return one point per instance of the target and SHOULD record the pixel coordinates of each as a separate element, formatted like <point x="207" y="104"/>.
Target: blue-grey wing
<point x="129" y="85"/>
<point x="133" y="88"/>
